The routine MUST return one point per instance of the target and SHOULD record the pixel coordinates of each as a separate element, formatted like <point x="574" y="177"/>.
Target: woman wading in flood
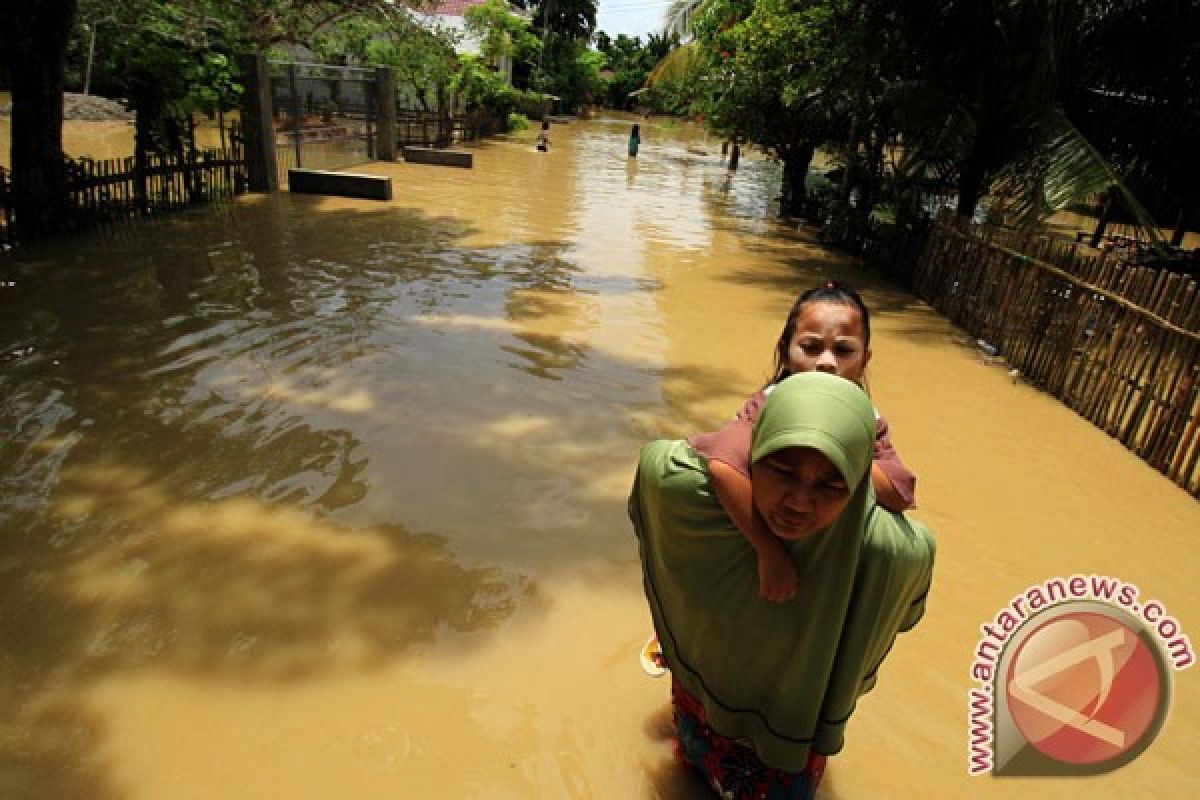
<point x="762" y="691"/>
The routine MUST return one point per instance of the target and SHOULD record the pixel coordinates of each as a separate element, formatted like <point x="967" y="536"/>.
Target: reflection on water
<point x="337" y="487"/>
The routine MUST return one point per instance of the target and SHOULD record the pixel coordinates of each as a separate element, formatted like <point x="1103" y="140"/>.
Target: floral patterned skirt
<point x="730" y="766"/>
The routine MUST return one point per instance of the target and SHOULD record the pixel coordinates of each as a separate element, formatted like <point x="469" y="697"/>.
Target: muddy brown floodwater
<point x="305" y="497"/>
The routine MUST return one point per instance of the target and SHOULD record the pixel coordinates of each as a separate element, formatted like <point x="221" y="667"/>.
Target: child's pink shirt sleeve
<point x="731" y="444"/>
<point x="902" y="478"/>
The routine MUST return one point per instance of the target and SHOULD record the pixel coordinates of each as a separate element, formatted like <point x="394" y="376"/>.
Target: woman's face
<point x="798" y="491"/>
<point x="828" y="338"/>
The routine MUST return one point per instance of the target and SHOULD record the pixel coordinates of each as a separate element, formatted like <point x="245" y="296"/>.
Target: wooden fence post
<point x="258" y="123"/>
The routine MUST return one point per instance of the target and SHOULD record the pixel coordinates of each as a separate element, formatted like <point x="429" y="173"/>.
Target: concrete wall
<point x="342" y="184"/>
<point x="445" y="158"/>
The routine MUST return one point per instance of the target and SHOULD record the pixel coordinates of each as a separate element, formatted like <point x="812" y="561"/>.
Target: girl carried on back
<point x="827" y="330"/>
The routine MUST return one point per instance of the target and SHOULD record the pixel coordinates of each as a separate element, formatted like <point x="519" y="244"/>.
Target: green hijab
<point x="784" y="676"/>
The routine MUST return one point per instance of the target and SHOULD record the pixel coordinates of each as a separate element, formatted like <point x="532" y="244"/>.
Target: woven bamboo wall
<point x="1115" y="341"/>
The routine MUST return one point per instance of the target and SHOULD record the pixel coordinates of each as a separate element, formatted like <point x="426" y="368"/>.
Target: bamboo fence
<point x="122" y="188"/>
<point x="1115" y="341"/>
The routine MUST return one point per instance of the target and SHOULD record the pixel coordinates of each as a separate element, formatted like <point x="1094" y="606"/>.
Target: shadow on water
<point x="193" y="404"/>
<point x="819" y="264"/>
<point x="669" y="778"/>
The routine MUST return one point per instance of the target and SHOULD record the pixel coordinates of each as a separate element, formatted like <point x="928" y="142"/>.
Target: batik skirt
<point x="730" y="766"/>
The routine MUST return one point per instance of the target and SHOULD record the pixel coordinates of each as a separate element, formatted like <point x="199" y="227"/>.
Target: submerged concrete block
<point x="445" y="158"/>
<point x="342" y="184"/>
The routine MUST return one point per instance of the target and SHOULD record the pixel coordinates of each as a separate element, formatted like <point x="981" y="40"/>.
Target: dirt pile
<point x="86" y="106"/>
<point x="89" y="106"/>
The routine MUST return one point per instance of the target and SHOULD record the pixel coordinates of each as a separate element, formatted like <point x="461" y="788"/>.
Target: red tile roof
<point x="449" y="8"/>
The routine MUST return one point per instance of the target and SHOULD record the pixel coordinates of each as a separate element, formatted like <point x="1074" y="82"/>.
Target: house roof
<point x="449" y="8"/>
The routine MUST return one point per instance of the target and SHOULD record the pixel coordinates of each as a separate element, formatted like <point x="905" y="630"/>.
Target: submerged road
<point x="304" y="497"/>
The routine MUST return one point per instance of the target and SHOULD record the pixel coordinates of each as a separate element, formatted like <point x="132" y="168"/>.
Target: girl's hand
<point x="777" y="577"/>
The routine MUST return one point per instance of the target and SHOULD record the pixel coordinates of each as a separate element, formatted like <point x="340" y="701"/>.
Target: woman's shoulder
<point x="673" y="460"/>
<point x="897" y="538"/>
<point x="674" y="479"/>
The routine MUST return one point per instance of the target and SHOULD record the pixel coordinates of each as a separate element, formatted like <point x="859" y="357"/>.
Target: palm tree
<point x="994" y="105"/>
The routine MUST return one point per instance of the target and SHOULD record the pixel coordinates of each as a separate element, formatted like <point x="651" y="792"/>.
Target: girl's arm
<point x="885" y="491"/>
<point x="776" y="573"/>
<point x="895" y="484"/>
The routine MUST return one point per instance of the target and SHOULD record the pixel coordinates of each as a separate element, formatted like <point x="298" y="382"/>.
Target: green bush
<point x="516" y="122"/>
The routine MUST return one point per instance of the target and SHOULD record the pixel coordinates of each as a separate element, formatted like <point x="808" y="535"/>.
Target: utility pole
<point x="87" y="75"/>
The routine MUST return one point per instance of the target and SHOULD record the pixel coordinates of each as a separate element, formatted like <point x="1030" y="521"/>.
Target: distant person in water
<point x="635" y="138"/>
<point x="543" y="138"/>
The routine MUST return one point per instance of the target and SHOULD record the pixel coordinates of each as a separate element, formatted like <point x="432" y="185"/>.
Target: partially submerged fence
<point x="324" y="116"/>
<point x="1117" y="342"/>
<point x="103" y="190"/>
<point x="427" y="128"/>
<point x="434" y="129"/>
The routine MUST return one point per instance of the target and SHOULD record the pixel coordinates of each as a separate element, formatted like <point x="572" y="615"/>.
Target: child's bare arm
<point x="776" y="573"/>
<point x="885" y="492"/>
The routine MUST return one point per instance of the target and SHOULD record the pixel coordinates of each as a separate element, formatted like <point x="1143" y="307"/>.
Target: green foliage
<point x="423" y="57"/>
<point x="262" y="23"/>
<point x="516" y="122"/>
<point x="501" y="33"/>
<point x="481" y="88"/>
<point x="1044" y="101"/>
<point x="630" y="62"/>
<point x="572" y="19"/>
<point x="168" y="61"/>
<point x="569" y="71"/>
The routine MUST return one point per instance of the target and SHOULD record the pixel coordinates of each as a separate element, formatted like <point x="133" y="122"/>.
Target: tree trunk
<point x="873" y="180"/>
<point x="970" y="188"/>
<point x="1181" y="226"/>
<point x="850" y="166"/>
<point x="1102" y="223"/>
<point x="795" y="172"/>
<point x="36" y="45"/>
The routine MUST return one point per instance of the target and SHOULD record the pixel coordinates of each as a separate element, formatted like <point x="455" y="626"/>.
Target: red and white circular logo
<point x="1086" y="688"/>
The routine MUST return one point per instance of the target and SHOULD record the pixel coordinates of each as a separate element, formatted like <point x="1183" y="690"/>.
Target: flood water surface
<point x="306" y="497"/>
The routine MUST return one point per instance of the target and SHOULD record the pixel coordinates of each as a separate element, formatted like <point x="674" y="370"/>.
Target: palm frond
<point x="931" y="157"/>
<point x="1067" y="169"/>
<point x="678" y="65"/>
